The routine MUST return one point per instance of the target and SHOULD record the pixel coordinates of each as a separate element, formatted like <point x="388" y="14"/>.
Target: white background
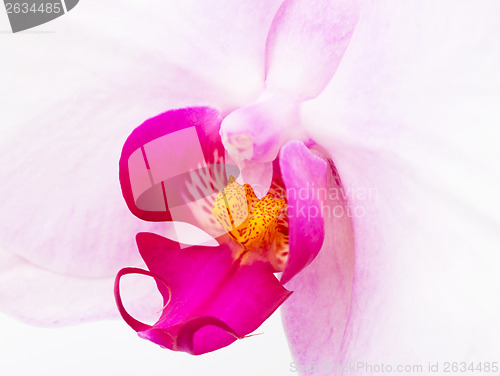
<point x="112" y="348"/>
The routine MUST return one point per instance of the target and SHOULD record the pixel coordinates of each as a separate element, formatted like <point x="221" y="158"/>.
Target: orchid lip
<point x="210" y="299"/>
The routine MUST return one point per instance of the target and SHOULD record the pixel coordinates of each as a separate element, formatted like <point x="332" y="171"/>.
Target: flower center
<point x="260" y="227"/>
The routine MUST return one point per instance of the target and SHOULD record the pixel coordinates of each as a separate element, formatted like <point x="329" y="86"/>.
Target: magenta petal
<point x="214" y="299"/>
<point x="306" y="43"/>
<point x="133" y="323"/>
<point x="144" y="163"/>
<point x="206" y="326"/>
<point x="304" y="175"/>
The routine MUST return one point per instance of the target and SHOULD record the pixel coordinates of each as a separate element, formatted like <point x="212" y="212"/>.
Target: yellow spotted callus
<point x="260" y="227"/>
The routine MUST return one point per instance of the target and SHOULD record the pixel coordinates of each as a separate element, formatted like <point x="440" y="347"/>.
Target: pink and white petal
<point x="70" y="100"/>
<point x="40" y="297"/>
<point x="306" y="43"/>
<point x="254" y="134"/>
<point x="304" y="176"/>
<point x="410" y="120"/>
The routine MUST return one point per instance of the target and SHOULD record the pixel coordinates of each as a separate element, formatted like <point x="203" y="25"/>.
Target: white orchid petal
<point x="70" y="99"/>
<point x="412" y="116"/>
<point x="44" y="298"/>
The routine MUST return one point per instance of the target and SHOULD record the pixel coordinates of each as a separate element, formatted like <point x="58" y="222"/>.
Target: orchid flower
<point x="214" y="295"/>
<point x="170" y="169"/>
<point x="409" y="110"/>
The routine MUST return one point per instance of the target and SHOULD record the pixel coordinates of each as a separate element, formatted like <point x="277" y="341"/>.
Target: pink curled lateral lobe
<point x="304" y="176"/>
<point x="318" y="314"/>
<point x="162" y="148"/>
<point x="173" y="165"/>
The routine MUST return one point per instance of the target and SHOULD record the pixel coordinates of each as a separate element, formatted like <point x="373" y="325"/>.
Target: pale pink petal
<point x="41" y="297"/>
<point x="71" y="97"/>
<point x="410" y="119"/>
<point x="306" y="44"/>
